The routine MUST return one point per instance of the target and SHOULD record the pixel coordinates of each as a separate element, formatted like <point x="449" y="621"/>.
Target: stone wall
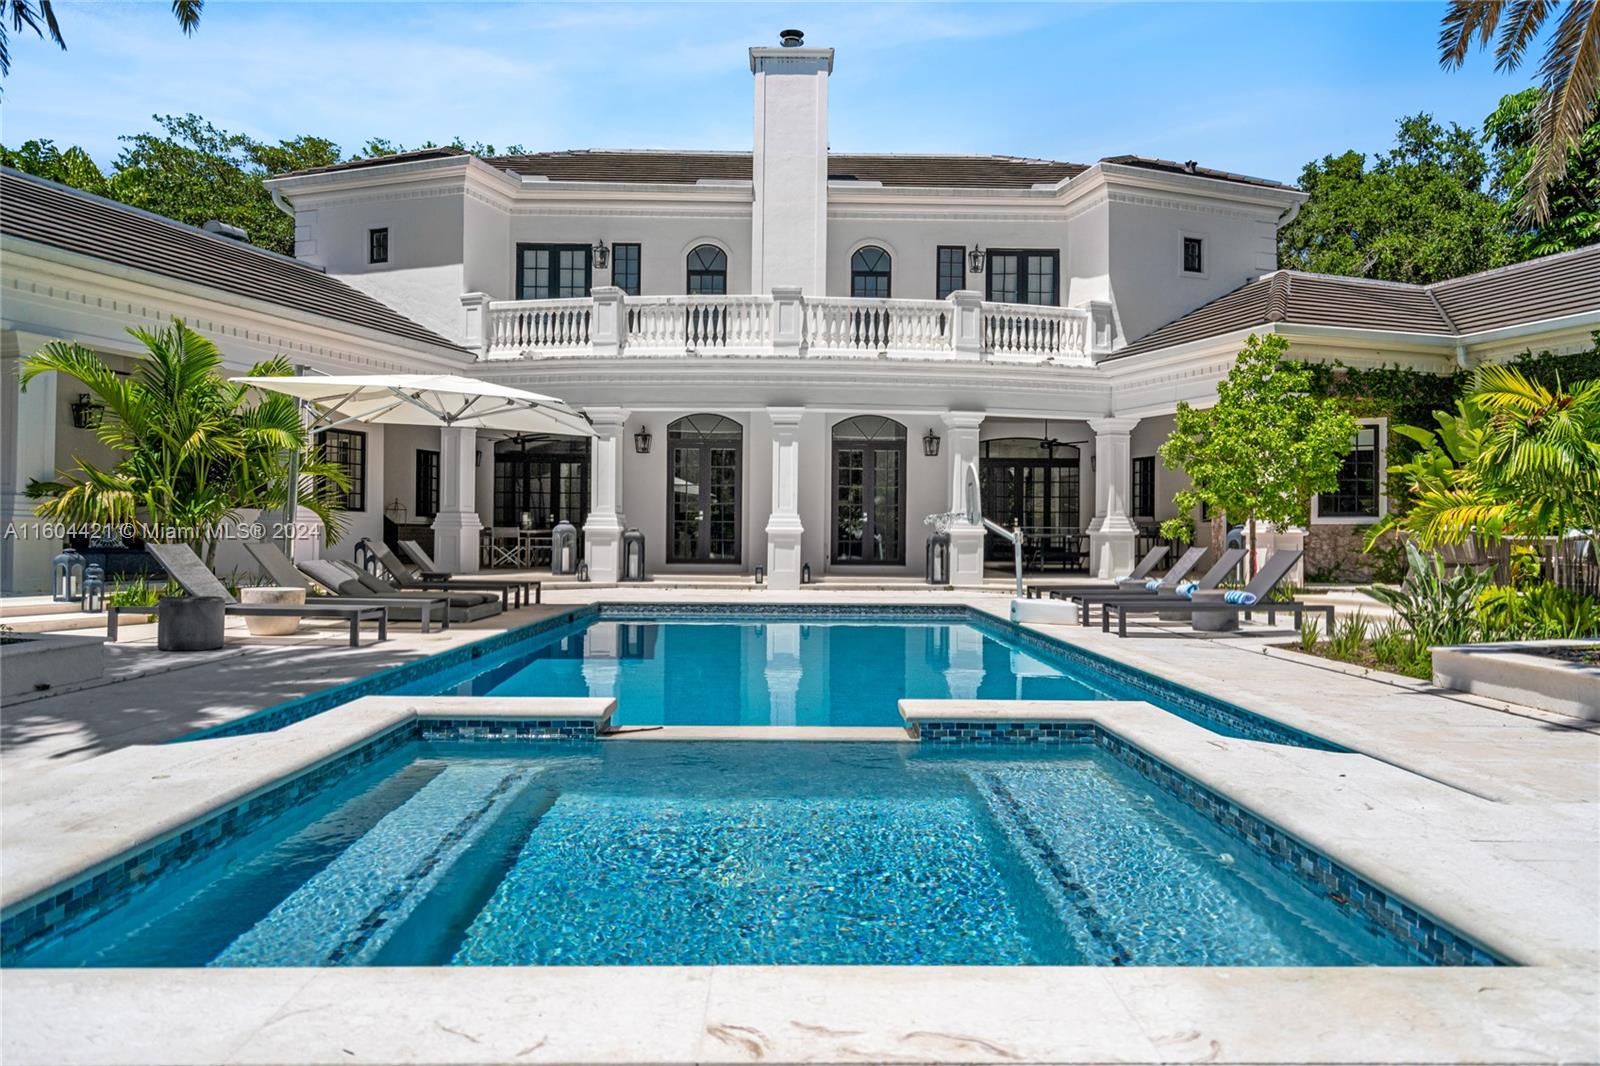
<point x="1334" y="555"/>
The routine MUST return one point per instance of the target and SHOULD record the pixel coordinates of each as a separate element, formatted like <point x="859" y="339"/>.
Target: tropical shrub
<point x="1537" y="612"/>
<point x="1348" y="636"/>
<point x="192" y="447"/>
<point x="1436" y="606"/>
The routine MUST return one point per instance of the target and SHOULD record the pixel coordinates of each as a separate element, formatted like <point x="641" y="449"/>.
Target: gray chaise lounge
<point x="466" y="605"/>
<point x="429" y="570"/>
<point x="1214" y="603"/>
<point x="1219" y="572"/>
<point x="1146" y="567"/>
<point x="192" y="574"/>
<point x="279" y="569"/>
<point x="401" y="576"/>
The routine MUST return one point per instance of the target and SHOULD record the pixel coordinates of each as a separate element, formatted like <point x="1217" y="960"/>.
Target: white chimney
<point x="789" y="243"/>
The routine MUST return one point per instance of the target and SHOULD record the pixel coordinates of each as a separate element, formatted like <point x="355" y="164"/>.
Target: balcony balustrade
<point x="784" y="323"/>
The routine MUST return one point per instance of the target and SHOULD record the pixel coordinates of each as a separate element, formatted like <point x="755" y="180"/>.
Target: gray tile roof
<point x="673" y="167"/>
<point x="1553" y="286"/>
<point x="36" y="210"/>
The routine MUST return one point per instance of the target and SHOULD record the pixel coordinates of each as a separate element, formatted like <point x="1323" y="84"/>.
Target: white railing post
<point x="1102" y="327"/>
<point x="608" y="328"/>
<point x="966" y="326"/>
<point x="788" y="333"/>
<point x="475" y="321"/>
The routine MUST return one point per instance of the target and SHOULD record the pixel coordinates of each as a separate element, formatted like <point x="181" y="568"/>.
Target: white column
<point x="29" y="424"/>
<point x="456" y="527"/>
<point x="306" y="535"/>
<point x="475" y="322"/>
<point x="607" y="328"/>
<point x="966" y="538"/>
<point x="966" y="332"/>
<point x="784" y="528"/>
<point x="1111" y="534"/>
<point x="602" y="532"/>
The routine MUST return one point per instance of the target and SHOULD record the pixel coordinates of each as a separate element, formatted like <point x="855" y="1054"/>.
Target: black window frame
<point x="691" y="272"/>
<point x="356" y="441"/>
<point x="623" y="251"/>
<point x="1142" y="487"/>
<point x="1024" y="255"/>
<point x="427" y="483"/>
<point x="859" y="271"/>
<point x="552" y="289"/>
<point x="378" y="244"/>
<point x="1349" y="500"/>
<point x="1196" y="245"/>
<point x="941" y="260"/>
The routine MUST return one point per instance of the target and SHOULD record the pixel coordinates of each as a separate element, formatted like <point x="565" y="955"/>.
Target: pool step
<point x="347" y="912"/>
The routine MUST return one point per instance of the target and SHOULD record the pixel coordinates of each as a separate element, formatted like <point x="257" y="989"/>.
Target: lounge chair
<point x="466" y="605"/>
<point x="1170" y="585"/>
<point x="1146" y="567"/>
<point x="401" y="576"/>
<point x="429" y="571"/>
<point x="1219" y="604"/>
<point x="192" y="575"/>
<point x="281" y="571"/>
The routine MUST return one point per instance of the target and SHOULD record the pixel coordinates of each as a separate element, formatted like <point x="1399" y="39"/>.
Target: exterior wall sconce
<point x="641" y="442"/>
<point x="478" y="457"/>
<point x="86" y="414"/>
<point x="602" y="254"/>
<point x="930" y="444"/>
<point x="975" y="260"/>
<point x="395" y="512"/>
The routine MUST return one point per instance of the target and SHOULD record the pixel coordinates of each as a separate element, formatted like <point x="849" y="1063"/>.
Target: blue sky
<point x="1253" y="87"/>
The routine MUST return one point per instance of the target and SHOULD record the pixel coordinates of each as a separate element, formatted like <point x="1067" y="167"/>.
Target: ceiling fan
<point x="1050" y="444"/>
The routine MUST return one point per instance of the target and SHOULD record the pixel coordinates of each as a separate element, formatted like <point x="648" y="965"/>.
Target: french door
<point x="553" y="271"/>
<point x="869" y="462"/>
<point x="704" y="456"/>
<point x="1038" y="494"/>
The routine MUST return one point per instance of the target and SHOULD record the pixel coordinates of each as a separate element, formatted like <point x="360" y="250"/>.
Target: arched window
<point x="869" y="488"/>
<point x="708" y="270"/>
<point x="704" y="459"/>
<point x="869" y="272"/>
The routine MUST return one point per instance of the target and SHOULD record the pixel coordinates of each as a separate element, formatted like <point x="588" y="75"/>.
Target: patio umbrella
<point x="442" y="400"/>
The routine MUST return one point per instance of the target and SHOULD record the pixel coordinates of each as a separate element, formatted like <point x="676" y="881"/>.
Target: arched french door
<point x="869" y="491"/>
<point x="705" y="455"/>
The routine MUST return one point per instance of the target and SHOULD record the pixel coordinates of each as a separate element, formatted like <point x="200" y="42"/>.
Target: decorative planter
<point x="37" y="664"/>
<point x="1524" y="672"/>
<point x="265" y="625"/>
<point x="190" y="623"/>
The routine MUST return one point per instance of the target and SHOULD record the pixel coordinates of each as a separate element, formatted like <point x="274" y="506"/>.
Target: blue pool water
<point x="675" y="853"/>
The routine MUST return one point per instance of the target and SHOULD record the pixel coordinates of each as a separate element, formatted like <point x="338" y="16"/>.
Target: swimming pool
<point x="683" y="853"/>
<point x="780" y="665"/>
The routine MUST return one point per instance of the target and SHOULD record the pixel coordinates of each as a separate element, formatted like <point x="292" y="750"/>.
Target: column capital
<point x="1108" y="426"/>
<point x="613" y="418"/>
<point x="786" y="416"/>
<point x="962" y="419"/>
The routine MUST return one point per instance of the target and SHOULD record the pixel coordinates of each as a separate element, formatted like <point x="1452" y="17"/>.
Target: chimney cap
<point x="222" y="229"/>
<point x="791" y="38"/>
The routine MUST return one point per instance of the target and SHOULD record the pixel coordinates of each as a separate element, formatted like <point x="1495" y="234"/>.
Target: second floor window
<point x="952" y="270"/>
<point x="1024" y="277"/>
<point x="1357" y="494"/>
<point x="708" y="270"/>
<point x="347" y="449"/>
<point x="553" y="271"/>
<point x="378" y="245"/>
<point x="625" y="268"/>
<point x="1194" y="255"/>
<point x="869" y="272"/>
<point x="427" y="483"/>
<point x="1144" y="487"/>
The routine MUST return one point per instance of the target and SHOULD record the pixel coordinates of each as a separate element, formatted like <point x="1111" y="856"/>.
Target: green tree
<point x="71" y="167"/>
<point x="1266" y="447"/>
<point x="1419" y="213"/>
<point x="1573" y="220"/>
<point x="1570" y="72"/>
<point x="40" y="17"/>
<point x="192" y="447"/>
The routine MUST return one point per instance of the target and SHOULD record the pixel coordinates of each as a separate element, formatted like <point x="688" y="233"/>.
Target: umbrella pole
<point x="291" y="503"/>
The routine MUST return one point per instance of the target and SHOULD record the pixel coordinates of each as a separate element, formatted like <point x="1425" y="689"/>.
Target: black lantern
<point x="975" y="260"/>
<point x="86" y="414"/>
<point x="930" y="443"/>
<point x="94" y="589"/>
<point x="632" y="555"/>
<point x="602" y="254"/>
<point x="805" y="574"/>
<point x="641" y="442"/>
<point x="761" y="574"/>
<point x="938" y="569"/>
<point x="583" y="571"/>
<point x="67" y="572"/>
<point x="564" y="548"/>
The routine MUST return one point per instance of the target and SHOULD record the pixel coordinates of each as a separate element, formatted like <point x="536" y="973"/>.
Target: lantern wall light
<point x="641" y="442"/>
<point x="602" y="254"/>
<point x="930" y="443"/>
<point x="975" y="260"/>
<point x="86" y="413"/>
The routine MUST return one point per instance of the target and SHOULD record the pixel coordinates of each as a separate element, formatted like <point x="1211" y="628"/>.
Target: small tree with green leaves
<point x="1268" y="444"/>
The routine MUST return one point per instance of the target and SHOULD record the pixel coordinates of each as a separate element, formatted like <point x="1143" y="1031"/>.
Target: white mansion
<point x="790" y="357"/>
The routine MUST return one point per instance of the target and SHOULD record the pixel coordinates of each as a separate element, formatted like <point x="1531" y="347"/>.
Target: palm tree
<point x="1570" y="72"/>
<point x="40" y="17"/>
<point x="191" y="450"/>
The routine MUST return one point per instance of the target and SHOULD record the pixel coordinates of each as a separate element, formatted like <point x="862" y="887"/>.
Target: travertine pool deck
<point x="1488" y="819"/>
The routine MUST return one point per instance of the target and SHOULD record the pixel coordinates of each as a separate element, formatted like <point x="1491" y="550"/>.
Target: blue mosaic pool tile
<point x="1390" y="916"/>
<point x="565" y="729"/>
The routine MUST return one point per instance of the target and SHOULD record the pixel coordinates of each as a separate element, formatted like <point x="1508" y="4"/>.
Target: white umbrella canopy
<point x="443" y="400"/>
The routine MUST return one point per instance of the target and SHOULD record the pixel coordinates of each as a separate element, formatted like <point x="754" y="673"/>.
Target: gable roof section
<point x="41" y="211"/>
<point x="1553" y="286"/>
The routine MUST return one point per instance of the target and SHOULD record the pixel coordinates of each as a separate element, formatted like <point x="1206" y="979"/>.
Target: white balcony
<point x="785" y="323"/>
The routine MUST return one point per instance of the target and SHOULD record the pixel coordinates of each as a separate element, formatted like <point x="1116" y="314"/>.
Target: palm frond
<point x="187" y="13"/>
<point x="1464" y="20"/>
<point x="1571" y="79"/>
<point x="1521" y="28"/>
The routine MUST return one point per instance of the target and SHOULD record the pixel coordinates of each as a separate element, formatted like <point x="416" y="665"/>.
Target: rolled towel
<point x="1120" y="578"/>
<point x="1186" y="589"/>
<point x="1153" y="585"/>
<point x="1242" y="597"/>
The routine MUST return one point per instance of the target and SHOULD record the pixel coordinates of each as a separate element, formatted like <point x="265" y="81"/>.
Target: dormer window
<point x="1194" y="255"/>
<point x="378" y="245"/>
